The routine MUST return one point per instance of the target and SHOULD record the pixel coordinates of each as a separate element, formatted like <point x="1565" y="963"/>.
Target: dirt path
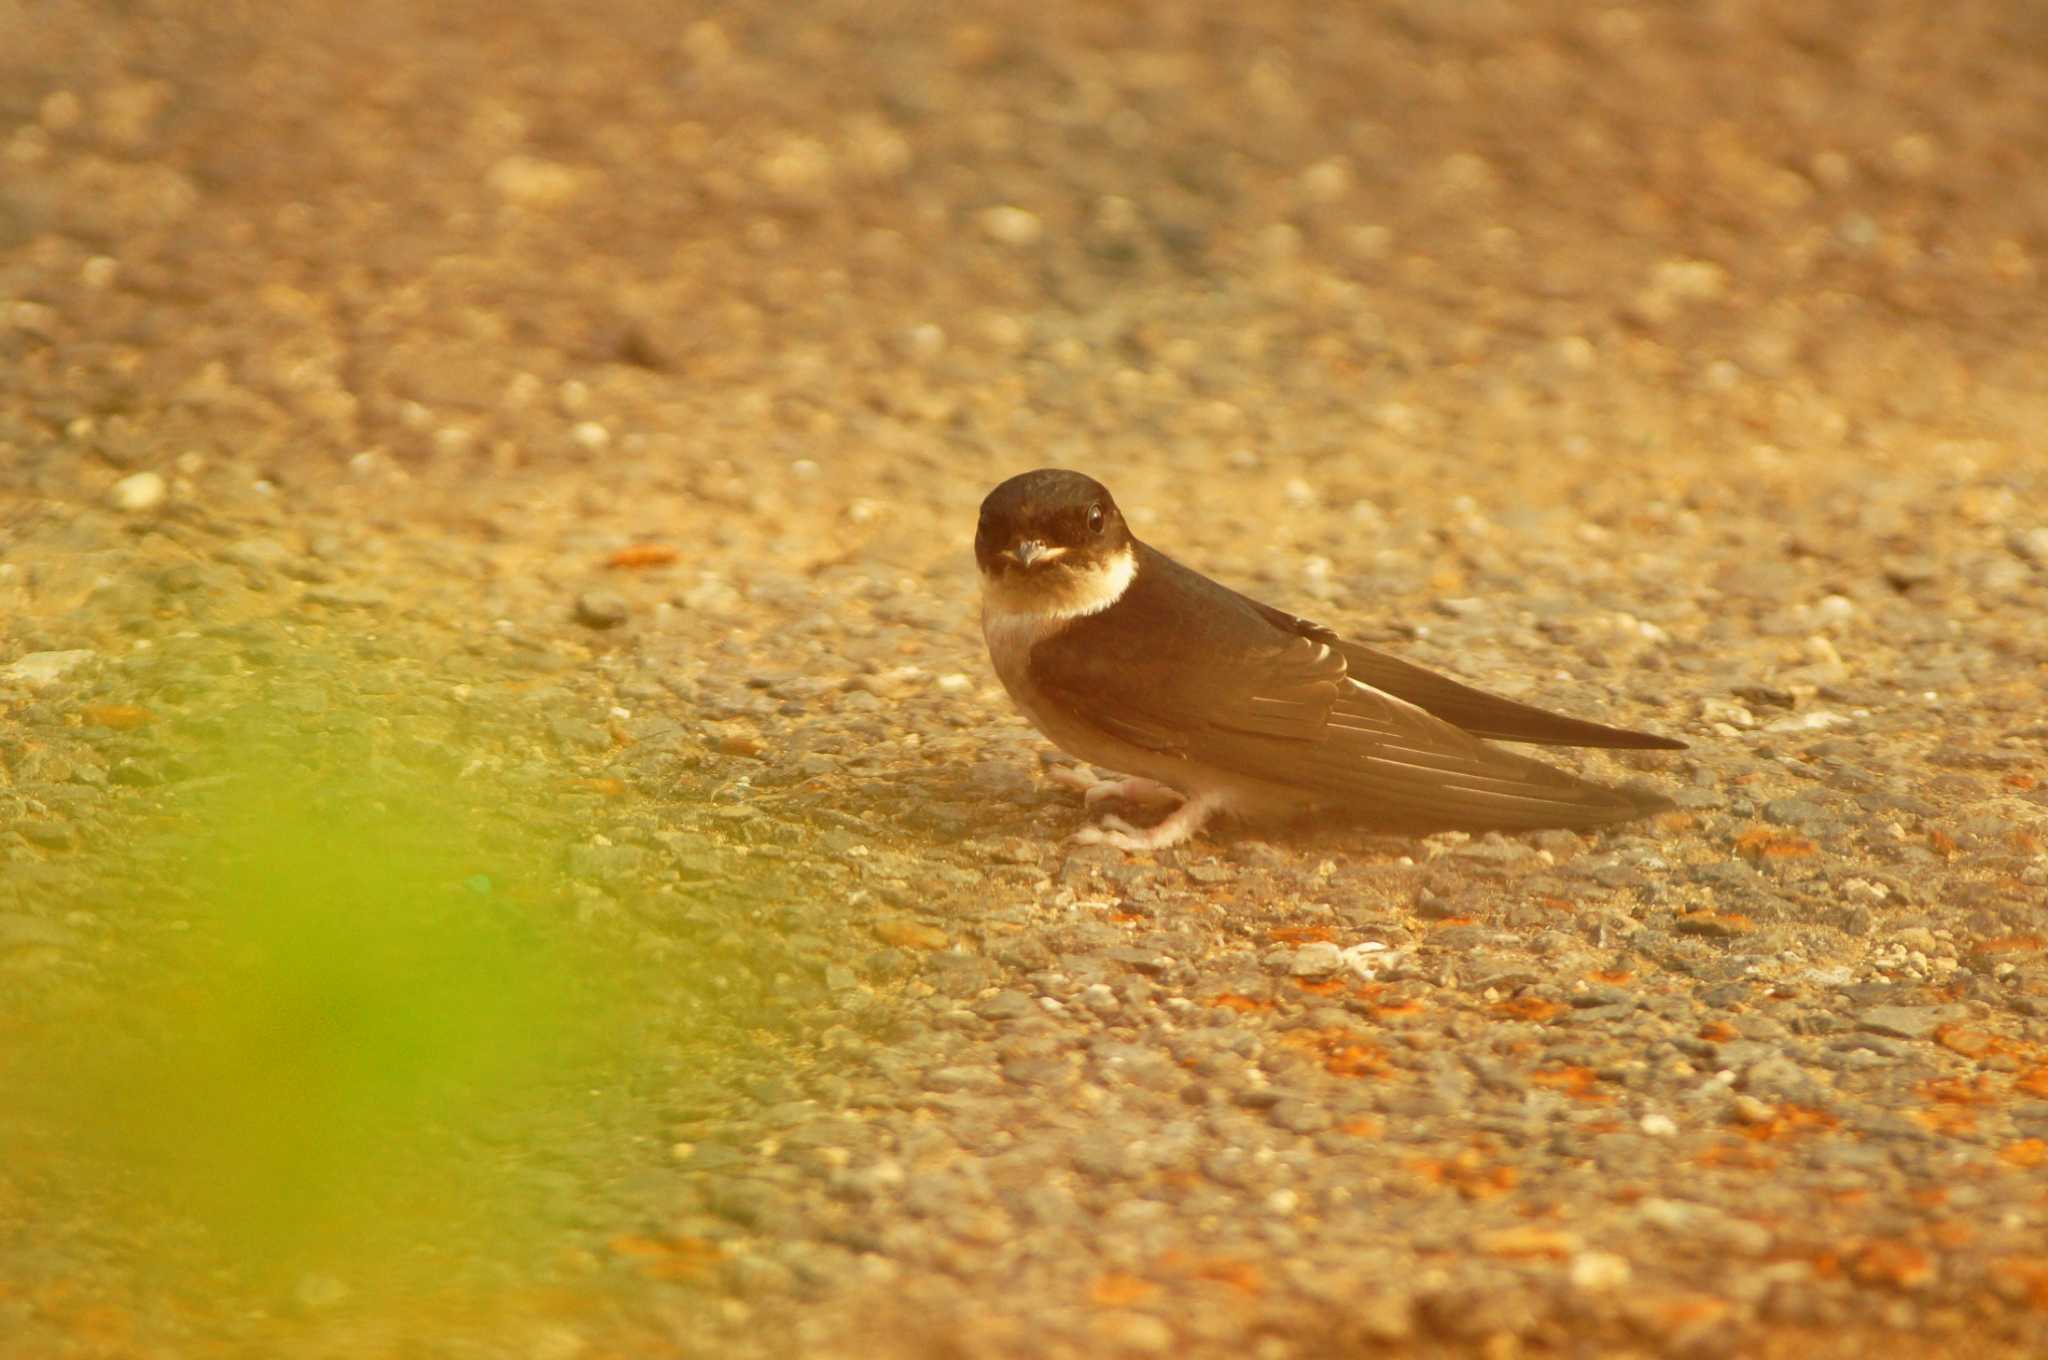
<point x="509" y="844"/>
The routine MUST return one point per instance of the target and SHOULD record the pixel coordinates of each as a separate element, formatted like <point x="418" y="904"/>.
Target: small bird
<point x="1207" y="699"/>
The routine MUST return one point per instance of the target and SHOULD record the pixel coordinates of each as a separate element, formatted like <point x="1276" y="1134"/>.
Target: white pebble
<point x="1366" y="513"/>
<point x="1726" y="711"/>
<point x="799" y="169"/>
<point x="2032" y="544"/>
<point x="1658" y="1125"/>
<point x="38" y="669"/>
<point x="1576" y="352"/>
<point x="1835" y="609"/>
<point x="139" y="492"/>
<point x="1599" y="1271"/>
<point x="1370" y="958"/>
<point x="1009" y="225"/>
<point x="1690" y="279"/>
<point x="1315" y="577"/>
<point x="1319" y="958"/>
<point x="532" y="182"/>
<point x="1004" y="331"/>
<point x="1817" y="721"/>
<point x="1642" y="628"/>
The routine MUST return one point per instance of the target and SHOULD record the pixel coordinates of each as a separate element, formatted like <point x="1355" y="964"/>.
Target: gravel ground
<point x="579" y="414"/>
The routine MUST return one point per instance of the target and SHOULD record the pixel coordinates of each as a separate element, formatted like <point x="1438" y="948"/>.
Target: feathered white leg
<point x="1182" y="823"/>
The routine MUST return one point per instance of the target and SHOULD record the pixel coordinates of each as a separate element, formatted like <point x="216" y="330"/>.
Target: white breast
<point x="1014" y="621"/>
<point x="1010" y="637"/>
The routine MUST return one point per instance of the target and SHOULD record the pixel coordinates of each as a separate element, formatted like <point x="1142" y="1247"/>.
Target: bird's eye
<point x="1095" y="519"/>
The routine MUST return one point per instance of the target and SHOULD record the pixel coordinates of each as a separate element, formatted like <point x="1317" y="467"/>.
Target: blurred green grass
<point x="369" y="1013"/>
<point x="347" y="1000"/>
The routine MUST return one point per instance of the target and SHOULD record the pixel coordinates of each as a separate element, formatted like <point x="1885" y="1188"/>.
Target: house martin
<point x="1210" y="702"/>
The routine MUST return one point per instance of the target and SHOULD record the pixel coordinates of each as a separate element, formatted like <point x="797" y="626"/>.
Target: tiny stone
<point x="1300" y="1116"/>
<point x="1819" y="720"/>
<point x="1597" y="1272"/>
<point x="532" y="182"/>
<point x="602" y="609"/>
<point x="1318" y="959"/>
<point x="38" y="669"/>
<point x="1012" y="226"/>
<point x="1906" y="1022"/>
<point x="2031" y="544"/>
<point x="1793" y="812"/>
<point x="1004" y="1005"/>
<point x="138" y="493"/>
<point x="948" y="1079"/>
<point x="1779" y="1078"/>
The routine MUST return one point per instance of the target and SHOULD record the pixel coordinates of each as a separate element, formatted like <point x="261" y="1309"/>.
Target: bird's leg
<point x="1144" y="792"/>
<point x="1095" y="789"/>
<point x="1182" y="823"/>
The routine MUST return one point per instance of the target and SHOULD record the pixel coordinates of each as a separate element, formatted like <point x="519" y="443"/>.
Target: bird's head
<point x="1052" y="542"/>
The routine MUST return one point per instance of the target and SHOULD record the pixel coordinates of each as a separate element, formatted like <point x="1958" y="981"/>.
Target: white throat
<point x="1034" y="604"/>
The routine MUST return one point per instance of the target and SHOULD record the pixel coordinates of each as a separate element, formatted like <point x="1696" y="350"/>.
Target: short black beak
<point x="1028" y="552"/>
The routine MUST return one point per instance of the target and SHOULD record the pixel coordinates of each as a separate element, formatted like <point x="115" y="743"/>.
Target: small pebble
<point x="38" y="670"/>
<point x="1012" y="226"/>
<point x="1597" y="1272"/>
<point x="138" y="493"/>
<point x="602" y="609"/>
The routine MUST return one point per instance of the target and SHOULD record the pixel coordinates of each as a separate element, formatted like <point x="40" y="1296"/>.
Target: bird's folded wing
<point x="1476" y="711"/>
<point x="1256" y="701"/>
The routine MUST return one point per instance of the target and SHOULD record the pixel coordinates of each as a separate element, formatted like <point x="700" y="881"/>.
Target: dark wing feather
<point x="1481" y="714"/>
<point x="1234" y="691"/>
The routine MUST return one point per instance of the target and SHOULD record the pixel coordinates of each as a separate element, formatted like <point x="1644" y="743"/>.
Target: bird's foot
<point x="1095" y="789"/>
<point x="1179" y="825"/>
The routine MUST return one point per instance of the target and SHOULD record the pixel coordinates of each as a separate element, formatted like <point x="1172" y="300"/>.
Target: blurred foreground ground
<point x="569" y="421"/>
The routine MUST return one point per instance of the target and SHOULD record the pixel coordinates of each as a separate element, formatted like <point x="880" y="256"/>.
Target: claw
<point x="1095" y="789"/>
<point x="1096" y="835"/>
<point x="1184" y="822"/>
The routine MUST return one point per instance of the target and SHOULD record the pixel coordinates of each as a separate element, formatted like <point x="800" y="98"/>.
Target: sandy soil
<point x="539" y="445"/>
